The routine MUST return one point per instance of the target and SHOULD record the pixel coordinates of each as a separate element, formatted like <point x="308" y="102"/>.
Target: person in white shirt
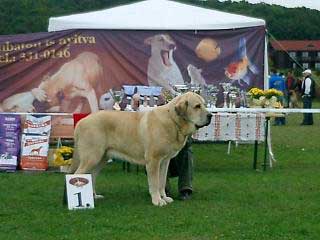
<point x="307" y="92"/>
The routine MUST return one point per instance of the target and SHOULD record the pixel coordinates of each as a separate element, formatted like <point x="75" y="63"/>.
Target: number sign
<point x="79" y="191"/>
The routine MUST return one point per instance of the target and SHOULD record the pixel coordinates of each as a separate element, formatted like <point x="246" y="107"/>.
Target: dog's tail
<point x="75" y="158"/>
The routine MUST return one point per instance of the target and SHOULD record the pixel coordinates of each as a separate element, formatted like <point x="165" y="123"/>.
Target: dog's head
<point x="162" y="45"/>
<point x="190" y="108"/>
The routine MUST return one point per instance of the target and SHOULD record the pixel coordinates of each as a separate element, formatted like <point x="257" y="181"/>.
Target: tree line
<point x="26" y="16"/>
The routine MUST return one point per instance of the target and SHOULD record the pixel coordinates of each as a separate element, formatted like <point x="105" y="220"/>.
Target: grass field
<point x="231" y="200"/>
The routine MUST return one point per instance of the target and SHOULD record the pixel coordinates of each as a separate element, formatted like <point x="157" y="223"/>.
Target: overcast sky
<point x="313" y="4"/>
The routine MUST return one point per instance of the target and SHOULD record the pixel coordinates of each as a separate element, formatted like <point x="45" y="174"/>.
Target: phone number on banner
<point x="46" y="54"/>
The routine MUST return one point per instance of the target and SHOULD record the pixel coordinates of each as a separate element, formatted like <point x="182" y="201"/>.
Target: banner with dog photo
<point x="73" y="70"/>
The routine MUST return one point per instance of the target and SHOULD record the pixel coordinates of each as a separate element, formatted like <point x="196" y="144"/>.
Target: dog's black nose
<point x="209" y="116"/>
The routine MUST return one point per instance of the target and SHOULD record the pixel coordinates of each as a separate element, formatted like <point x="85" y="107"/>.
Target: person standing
<point x="307" y="93"/>
<point x="181" y="166"/>
<point x="278" y="82"/>
<point x="291" y="85"/>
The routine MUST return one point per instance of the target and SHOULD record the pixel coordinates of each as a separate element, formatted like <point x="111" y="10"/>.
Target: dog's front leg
<point x="153" y="167"/>
<point x="163" y="179"/>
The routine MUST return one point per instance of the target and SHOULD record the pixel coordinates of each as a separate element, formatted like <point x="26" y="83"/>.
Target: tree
<point x="25" y="16"/>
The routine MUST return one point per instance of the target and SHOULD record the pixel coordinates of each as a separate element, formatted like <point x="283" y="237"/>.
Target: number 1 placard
<point x="79" y="191"/>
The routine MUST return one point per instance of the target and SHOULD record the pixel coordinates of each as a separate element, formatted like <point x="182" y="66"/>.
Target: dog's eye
<point x="197" y="106"/>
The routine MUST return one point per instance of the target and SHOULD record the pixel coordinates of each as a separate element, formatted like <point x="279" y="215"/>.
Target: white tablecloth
<point x="234" y="127"/>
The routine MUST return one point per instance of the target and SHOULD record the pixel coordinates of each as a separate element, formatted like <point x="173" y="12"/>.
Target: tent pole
<point x="266" y="64"/>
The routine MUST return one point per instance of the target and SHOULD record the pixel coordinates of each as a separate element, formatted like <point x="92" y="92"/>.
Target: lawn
<point x="230" y="201"/>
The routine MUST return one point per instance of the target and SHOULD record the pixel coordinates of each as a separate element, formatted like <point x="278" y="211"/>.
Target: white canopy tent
<point x="157" y="15"/>
<point x="154" y="15"/>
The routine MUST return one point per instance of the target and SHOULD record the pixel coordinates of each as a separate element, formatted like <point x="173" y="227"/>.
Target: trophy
<point x="129" y="104"/>
<point x="155" y="101"/>
<point x="195" y="88"/>
<point x="212" y="92"/>
<point x="232" y="97"/>
<point x="234" y="92"/>
<point x="226" y="90"/>
<point x="181" y="89"/>
<point x="117" y="96"/>
<point x="243" y="99"/>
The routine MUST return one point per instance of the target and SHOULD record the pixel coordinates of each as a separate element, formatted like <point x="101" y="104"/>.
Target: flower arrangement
<point x="256" y="93"/>
<point x="265" y="98"/>
<point x="63" y="156"/>
<point x="272" y="93"/>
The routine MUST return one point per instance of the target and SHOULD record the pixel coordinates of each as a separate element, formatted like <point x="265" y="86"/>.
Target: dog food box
<point x="9" y="141"/>
<point x="9" y="152"/>
<point x="34" y="152"/>
<point x="39" y="125"/>
<point x="10" y="126"/>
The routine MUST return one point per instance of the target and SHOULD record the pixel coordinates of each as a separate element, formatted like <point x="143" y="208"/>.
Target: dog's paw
<point x="167" y="199"/>
<point x="159" y="202"/>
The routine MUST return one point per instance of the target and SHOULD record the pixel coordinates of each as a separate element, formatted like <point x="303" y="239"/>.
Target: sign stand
<point x="78" y="191"/>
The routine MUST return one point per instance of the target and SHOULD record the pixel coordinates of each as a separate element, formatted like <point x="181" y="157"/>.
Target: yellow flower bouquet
<point x="264" y="98"/>
<point x="269" y="93"/>
<point x="256" y="93"/>
<point x="63" y="156"/>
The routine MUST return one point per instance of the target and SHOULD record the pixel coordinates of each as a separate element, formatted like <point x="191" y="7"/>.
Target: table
<point x="233" y="127"/>
<point x="240" y="127"/>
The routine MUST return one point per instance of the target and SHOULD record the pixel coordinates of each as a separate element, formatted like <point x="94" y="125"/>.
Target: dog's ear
<point x="148" y="40"/>
<point x="181" y="108"/>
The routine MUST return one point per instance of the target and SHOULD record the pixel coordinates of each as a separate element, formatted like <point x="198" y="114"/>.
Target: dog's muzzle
<point x="209" y="116"/>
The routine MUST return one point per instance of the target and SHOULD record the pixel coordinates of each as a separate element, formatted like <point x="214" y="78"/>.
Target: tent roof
<point x="154" y="15"/>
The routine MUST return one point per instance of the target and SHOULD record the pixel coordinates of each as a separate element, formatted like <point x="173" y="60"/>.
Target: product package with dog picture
<point x="35" y="143"/>
<point x="34" y="152"/>
<point x="9" y="142"/>
<point x="39" y="125"/>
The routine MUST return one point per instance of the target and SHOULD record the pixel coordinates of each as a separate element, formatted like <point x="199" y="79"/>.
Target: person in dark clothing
<point x="181" y="166"/>
<point x="291" y="85"/>
<point x="307" y="93"/>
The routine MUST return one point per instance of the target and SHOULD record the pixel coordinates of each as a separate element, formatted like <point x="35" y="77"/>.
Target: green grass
<point x="230" y="201"/>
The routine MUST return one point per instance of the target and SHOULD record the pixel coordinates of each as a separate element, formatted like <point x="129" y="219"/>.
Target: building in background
<point x="288" y="54"/>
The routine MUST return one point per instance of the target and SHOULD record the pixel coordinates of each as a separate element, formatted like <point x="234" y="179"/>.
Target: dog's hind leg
<point x="153" y="168"/>
<point x="95" y="173"/>
<point x="163" y="178"/>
